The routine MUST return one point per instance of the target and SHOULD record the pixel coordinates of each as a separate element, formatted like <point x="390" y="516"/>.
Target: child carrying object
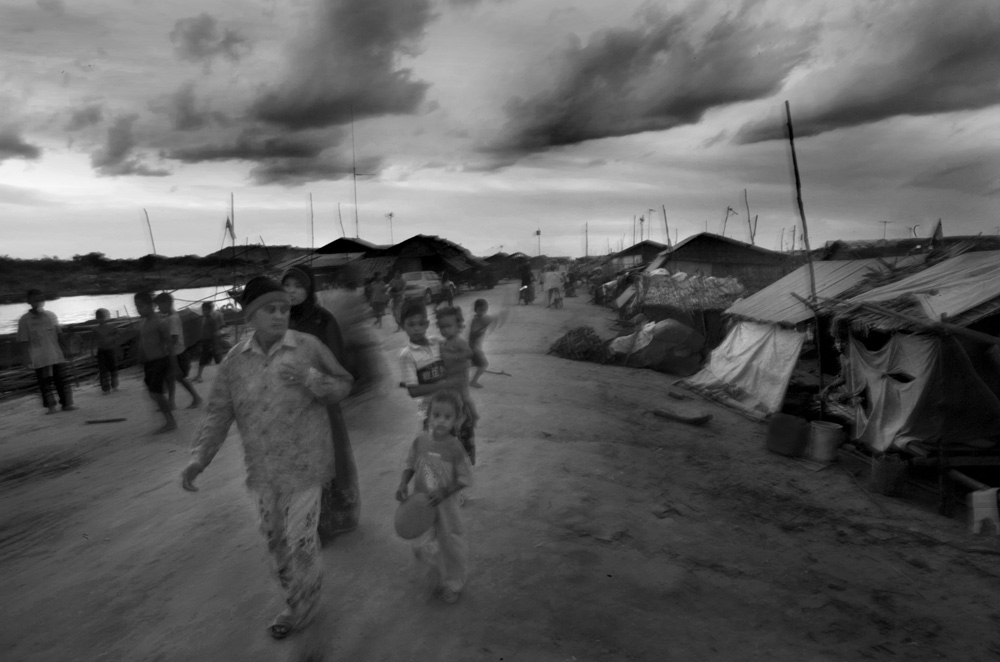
<point x="440" y="468"/>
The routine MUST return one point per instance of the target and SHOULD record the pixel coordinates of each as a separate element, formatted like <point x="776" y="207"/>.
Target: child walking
<point x="440" y="468"/>
<point x="180" y="361"/>
<point x="208" y="345"/>
<point x="105" y="341"/>
<point x="422" y="370"/>
<point x="477" y="331"/>
<point x="379" y="298"/>
<point x="154" y="355"/>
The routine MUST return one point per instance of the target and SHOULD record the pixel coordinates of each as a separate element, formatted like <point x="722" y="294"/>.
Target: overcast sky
<point x="484" y="120"/>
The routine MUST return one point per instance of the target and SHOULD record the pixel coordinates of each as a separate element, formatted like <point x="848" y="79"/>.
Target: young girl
<point x="440" y="468"/>
<point x="457" y="357"/>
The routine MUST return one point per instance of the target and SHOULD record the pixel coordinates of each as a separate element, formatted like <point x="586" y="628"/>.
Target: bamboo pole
<point x="666" y="226"/>
<point x="805" y="241"/>
<point x="746" y="199"/>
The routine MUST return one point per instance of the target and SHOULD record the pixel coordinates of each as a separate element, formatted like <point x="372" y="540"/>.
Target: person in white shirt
<point x="38" y="333"/>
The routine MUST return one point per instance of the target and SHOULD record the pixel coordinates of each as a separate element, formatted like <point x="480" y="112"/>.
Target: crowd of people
<point x="283" y="388"/>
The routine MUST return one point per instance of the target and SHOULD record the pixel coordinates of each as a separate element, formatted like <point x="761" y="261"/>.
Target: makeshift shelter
<point x="920" y="372"/>
<point x="427" y="253"/>
<point x="639" y="254"/>
<point x="708" y="254"/>
<point x="751" y="369"/>
<point x="695" y="301"/>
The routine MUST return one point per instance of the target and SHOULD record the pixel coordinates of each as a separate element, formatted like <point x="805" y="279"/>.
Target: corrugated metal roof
<point x="776" y="303"/>
<point x="950" y="288"/>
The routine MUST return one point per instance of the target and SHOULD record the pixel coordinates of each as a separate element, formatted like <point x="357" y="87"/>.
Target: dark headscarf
<point x="311" y="317"/>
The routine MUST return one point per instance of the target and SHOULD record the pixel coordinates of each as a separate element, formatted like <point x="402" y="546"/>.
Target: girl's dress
<point x="440" y="463"/>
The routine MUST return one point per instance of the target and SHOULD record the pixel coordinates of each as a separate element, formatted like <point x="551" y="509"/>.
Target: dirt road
<point x="598" y="532"/>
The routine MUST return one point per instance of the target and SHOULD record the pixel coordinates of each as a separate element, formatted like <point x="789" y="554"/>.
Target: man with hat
<point x="276" y="387"/>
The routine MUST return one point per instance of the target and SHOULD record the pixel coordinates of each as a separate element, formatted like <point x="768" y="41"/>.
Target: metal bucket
<point x="824" y="440"/>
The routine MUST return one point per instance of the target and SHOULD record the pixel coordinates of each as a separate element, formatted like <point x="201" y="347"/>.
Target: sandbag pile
<point x="580" y="344"/>
<point x="690" y="292"/>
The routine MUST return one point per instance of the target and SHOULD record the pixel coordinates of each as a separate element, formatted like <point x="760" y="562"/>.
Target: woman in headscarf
<point x="340" y="507"/>
<point x="277" y="387"/>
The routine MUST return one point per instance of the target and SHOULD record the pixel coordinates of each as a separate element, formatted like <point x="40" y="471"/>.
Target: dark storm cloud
<point x="283" y="159"/>
<point x="13" y="146"/>
<point x="116" y="157"/>
<point x="979" y="177"/>
<point x="295" y="171"/>
<point x="348" y="63"/>
<point x="936" y="58"/>
<point x="200" y="39"/>
<point x="655" y="77"/>
<point x="253" y="147"/>
<point x="84" y="117"/>
<point x="183" y="108"/>
<point x="52" y="6"/>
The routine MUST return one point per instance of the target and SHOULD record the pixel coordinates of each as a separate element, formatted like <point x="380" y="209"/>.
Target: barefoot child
<point x="105" y="341"/>
<point x="477" y="330"/>
<point x="180" y="362"/>
<point x="154" y="355"/>
<point x="423" y="372"/>
<point x="441" y="468"/>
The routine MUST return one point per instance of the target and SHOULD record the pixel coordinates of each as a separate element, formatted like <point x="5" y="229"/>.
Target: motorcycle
<point x="526" y="294"/>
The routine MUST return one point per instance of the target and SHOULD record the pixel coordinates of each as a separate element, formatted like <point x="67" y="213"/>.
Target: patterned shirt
<point x="421" y="364"/>
<point x="285" y="428"/>
<point x="41" y="331"/>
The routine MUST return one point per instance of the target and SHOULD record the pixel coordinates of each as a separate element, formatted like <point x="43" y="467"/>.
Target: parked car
<point x="426" y="284"/>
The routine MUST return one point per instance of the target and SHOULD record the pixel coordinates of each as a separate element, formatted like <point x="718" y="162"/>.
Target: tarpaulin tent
<point x="922" y="384"/>
<point x="750" y="370"/>
<point x="920" y="387"/>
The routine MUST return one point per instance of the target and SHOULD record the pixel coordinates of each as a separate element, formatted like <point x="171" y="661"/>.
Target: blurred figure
<point x="154" y="354"/>
<point x="39" y="334"/>
<point x="180" y="360"/>
<point x="105" y="345"/>
<point x="210" y="344"/>
<point x="340" y="506"/>
<point x="378" y="298"/>
<point x="397" y="287"/>
<point x="477" y="331"/>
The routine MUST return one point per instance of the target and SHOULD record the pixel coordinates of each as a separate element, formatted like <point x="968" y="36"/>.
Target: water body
<point x="81" y="308"/>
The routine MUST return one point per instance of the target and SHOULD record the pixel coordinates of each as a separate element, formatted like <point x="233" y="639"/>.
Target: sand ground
<point x="597" y="531"/>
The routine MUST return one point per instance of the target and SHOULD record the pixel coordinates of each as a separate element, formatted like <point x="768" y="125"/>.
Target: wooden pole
<point x="805" y="241"/>
<point x="749" y="224"/>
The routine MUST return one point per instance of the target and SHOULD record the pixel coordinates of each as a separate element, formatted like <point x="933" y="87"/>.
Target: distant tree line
<point x="100" y="262"/>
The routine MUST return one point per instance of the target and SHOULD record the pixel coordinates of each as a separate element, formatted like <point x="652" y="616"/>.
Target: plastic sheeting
<point x="919" y="388"/>
<point x="667" y="346"/>
<point x="751" y="369"/>
<point x="948" y="288"/>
